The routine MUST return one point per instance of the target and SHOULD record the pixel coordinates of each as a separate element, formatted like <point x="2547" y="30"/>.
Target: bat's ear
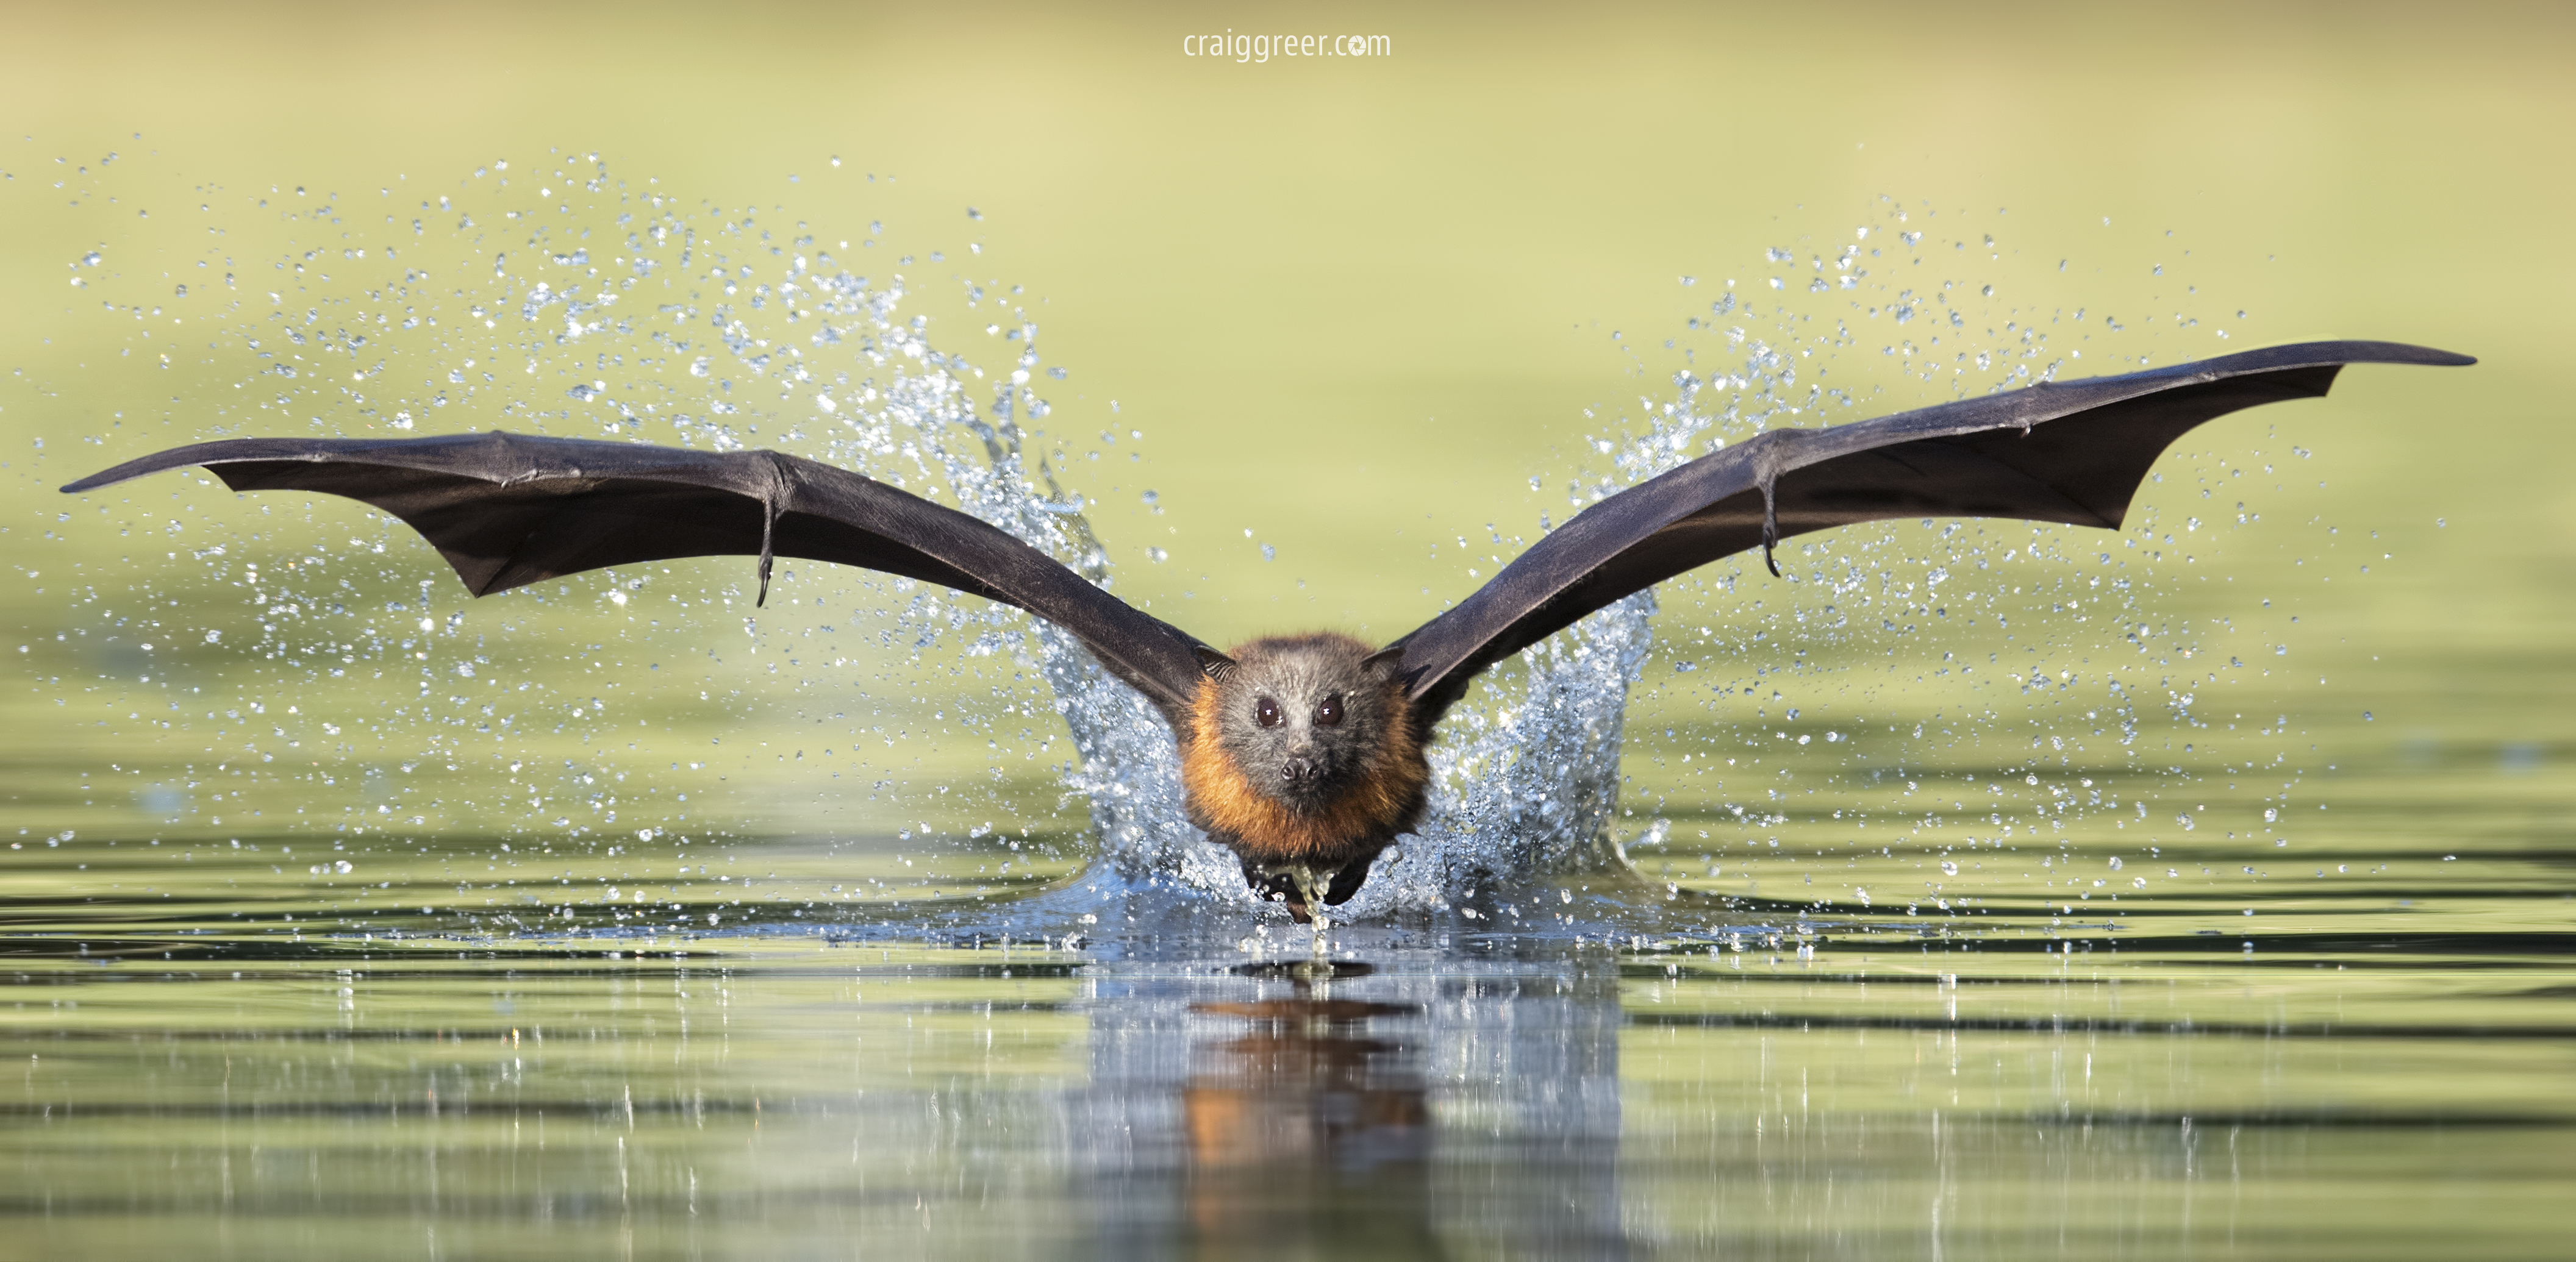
<point x="1214" y="664"/>
<point x="1386" y="663"/>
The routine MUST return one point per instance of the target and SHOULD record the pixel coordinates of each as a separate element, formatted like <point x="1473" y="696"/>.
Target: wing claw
<point x="768" y="532"/>
<point x="1770" y="524"/>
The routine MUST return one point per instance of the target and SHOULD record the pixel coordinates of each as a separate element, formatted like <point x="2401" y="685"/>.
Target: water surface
<point x="1856" y="1090"/>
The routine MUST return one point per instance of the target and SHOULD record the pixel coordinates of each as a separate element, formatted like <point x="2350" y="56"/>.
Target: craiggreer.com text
<point x="1255" y="49"/>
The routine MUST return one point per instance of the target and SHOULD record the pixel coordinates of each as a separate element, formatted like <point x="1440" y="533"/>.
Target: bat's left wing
<point x="510" y="509"/>
<point x="2065" y="452"/>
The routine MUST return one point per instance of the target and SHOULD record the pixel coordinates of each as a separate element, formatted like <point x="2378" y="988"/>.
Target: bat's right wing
<point x="2063" y="452"/>
<point x="509" y="509"/>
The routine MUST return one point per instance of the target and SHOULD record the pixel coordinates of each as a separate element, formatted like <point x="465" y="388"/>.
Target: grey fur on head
<point x="1304" y="761"/>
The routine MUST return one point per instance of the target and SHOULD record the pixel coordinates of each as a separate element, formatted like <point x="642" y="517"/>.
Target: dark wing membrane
<point x="507" y="510"/>
<point x="2064" y="452"/>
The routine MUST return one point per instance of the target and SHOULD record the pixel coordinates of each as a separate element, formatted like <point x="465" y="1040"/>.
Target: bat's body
<point x="1305" y="754"/>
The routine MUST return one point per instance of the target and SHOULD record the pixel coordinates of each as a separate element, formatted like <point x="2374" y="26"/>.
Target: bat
<point x="1304" y="755"/>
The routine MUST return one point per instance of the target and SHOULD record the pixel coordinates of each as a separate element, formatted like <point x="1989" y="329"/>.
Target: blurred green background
<point x="1360" y="308"/>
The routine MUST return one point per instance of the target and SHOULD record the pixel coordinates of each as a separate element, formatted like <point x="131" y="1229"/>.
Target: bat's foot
<point x="1301" y="887"/>
<point x="1277" y="882"/>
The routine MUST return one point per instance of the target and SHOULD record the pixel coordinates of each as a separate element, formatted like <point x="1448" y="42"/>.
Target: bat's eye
<point x="1265" y="712"/>
<point x="1330" y="712"/>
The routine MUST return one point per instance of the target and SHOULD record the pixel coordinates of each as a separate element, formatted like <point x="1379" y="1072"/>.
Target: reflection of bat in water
<point x="1308" y="1130"/>
<point x="1304" y="754"/>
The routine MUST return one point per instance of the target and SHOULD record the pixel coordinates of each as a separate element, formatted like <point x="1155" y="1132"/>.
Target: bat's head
<point x="1306" y="719"/>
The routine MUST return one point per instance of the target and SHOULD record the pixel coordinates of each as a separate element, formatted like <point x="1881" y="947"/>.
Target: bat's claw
<point x="1297" y="886"/>
<point x="1770" y="527"/>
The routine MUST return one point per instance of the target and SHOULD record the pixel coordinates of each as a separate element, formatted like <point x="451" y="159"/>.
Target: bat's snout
<point x="1300" y="770"/>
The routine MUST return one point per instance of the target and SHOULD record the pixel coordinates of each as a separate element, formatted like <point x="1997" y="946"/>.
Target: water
<point x="1862" y="1094"/>
<point x="1788" y="918"/>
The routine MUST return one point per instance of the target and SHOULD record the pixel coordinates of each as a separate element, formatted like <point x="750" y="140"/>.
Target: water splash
<point x="1526" y="783"/>
<point x="1526" y="776"/>
<point x="1498" y="815"/>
